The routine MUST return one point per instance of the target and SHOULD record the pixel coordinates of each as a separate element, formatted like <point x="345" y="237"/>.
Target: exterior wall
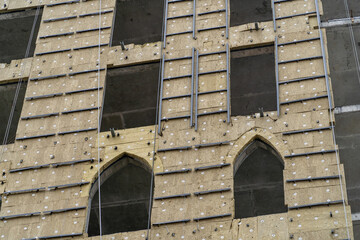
<point x="53" y="181"/>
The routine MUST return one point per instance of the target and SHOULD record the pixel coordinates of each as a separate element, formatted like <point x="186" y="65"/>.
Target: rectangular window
<point x="249" y="11"/>
<point x="7" y="93"/>
<point x="15" y="34"/>
<point x="130" y="96"/>
<point x="138" y="21"/>
<point x="253" y="82"/>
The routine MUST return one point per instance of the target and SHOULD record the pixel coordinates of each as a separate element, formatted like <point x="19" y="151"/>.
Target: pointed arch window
<point x="124" y="192"/>
<point x="258" y="181"/>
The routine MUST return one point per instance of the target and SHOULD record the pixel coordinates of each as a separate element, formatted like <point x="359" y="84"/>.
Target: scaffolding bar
<point x="277" y="76"/>
<point x="161" y="89"/>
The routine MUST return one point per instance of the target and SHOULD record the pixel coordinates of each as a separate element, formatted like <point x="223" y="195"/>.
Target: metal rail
<point x="161" y="88"/>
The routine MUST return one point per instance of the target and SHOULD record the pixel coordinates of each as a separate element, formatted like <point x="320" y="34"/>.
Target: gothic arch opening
<point x="124" y="192"/>
<point x="258" y="181"/>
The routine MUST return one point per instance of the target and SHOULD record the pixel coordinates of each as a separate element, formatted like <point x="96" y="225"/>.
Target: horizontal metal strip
<point x="56" y="35"/>
<point x="68" y="185"/>
<point x="214" y="91"/>
<point x="58" y="19"/>
<point x="174" y="172"/>
<point x="77" y="131"/>
<point x="210" y="12"/>
<point x="304" y="99"/>
<point x="25" y="191"/>
<point x="300" y="59"/>
<point x="299" y="41"/>
<point x="48" y="77"/>
<point x="212" y="191"/>
<point x="280" y="1"/>
<point x="175" y="1"/>
<point x="174" y="118"/>
<point x="72" y="162"/>
<point x="313" y="179"/>
<point x="91" y="46"/>
<point x="212" y="167"/>
<point x="37" y="136"/>
<point x="51" y="52"/>
<point x="295" y="15"/>
<point x="178" y="96"/>
<point x="171" y="222"/>
<point x="302" y="79"/>
<point x="212" y="217"/>
<point x="182" y="76"/>
<point x="209" y="113"/>
<point x="62" y="3"/>
<point x="174" y="149"/>
<point x="309" y="153"/>
<point x="93" y="29"/>
<point x="84" y="90"/>
<point x="211" y="72"/>
<point x="95" y="13"/>
<point x="179" y="58"/>
<point x="306" y="130"/>
<point x="40" y="116"/>
<point x="64" y="210"/>
<point x="79" y="110"/>
<point x="211" y="53"/>
<point x="28" y="168"/>
<point x="181" y="16"/>
<point x="86" y="71"/>
<point x="55" y="236"/>
<point x="178" y="33"/>
<point x="315" y="204"/>
<point x="211" y="28"/>
<point x="173" y="196"/>
<point x="43" y="96"/>
<point x="20" y="215"/>
<point x="212" y="144"/>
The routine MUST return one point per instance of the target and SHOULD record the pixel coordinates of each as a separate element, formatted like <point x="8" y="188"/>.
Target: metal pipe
<point x="194" y="19"/>
<point x="277" y="76"/>
<point x="165" y="23"/>
<point x="161" y="90"/>
<point x="227" y="18"/>
<point x="323" y="54"/>
<point x="192" y="88"/>
<point x="273" y="12"/>
<point x="228" y="82"/>
<point x="196" y="90"/>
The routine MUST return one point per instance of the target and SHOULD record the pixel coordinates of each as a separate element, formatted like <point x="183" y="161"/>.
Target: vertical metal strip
<point x="277" y="76"/>
<point x="192" y="88"/>
<point x="228" y="82"/>
<point x="227" y="18"/>
<point x="196" y="90"/>
<point x="161" y="92"/>
<point x="323" y="55"/>
<point x="165" y="19"/>
<point x="194" y="19"/>
<point x="273" y="12"/>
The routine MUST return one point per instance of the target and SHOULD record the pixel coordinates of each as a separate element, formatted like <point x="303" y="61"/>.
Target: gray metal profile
<point x="313" y="179"/>
<point x="91" y="46"/>
<point x="211" y="28"/>
<point x="178" y="33"/>
<point x="192" y="87"/>
<point x="55" y="236"/>
<point x="177" y="96"/>
<point x="212" y="191"/>
<point x="165" y="23"/>
<point x="57" y="35"/>
<point x="96" y="13"/>
<point x="86" y="71"/>
<point x="20" y="215"/>
<point x="295" y="15"/>
<point x="161" y="89"/>
<point x="173" y="196"/>
<point x="300" y="59"/>
<point x="171" y="222"/>
<point x="51" y="52"/>
<point x="209" y="113"/>
<point x="58" y="19"/>
<point x="36" y="136"/>
<point x="277" y="76"/>
<point x="72" y="162"/>
<point x="28" y="168"/>
<point x="323" y="55"/>
<point x="316" y="204"/>
<point x="175" y="1"/>
<point x="64" y="210"/>
<point x="25" y="191"/>
<point x="194" y="18"/>
<point x="62" y="3"/>
<point x="304" y="99"/>
<point x="228" y="80"/>
<point x="77" y="131"/>
<point x="212" y="144"/>
<point x="307" y="130"/>
<point x="179" y="58"/>
<point x="212" y="217"/>
<point x="80" y="110"/>
<point x="299" y="41"/>
<point x="174" y="149"/>
<point x="67" y="185"/>
<point x="84" y="90"/>
<point x="196" y="89"/>
<point x="176" y="117"/>
<point x="177" y="77"/>
<point x="280" y="1"/>
<point x="210" y="12"/>
<point x="212" y="72"/>
<point x="40" y="116"/>
<point x="181" y="16"/>
<point x="212" y="167"/>
<point x="302" y="79"/>
<point x="43" y="96"/>
<point x="93" y="29"/>
<point x="211" y="53"/>
<point x="274" y="14"/>
<point x="48" y="77"/>
<point x="213" y="91"/>
<point x="186" y="170"/>
<point x="309" y="153"/>
<point x="227" y="19"/>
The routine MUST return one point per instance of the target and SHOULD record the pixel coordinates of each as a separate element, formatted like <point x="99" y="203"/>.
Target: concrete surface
<point x="124" y="106"/>
<point x="7" y="93"/>
<point x="334" y="9"/>
<point x="15" y="29"/>
<point x="248" y="11"/>
<point x="138" y="21"/>
<point x="253" y="83"/>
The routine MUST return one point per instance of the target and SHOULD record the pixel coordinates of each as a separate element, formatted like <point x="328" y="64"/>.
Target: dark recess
<point x="125" y="191"/>
<point x="249" y="11"/>
<point x="258" y="182"/>
<point x="253" y="83"/>
<point x="138" y="21"/>
<point x="7" y="93"/>
<point x="15" y="31"/>
<point x="130" y="97"/>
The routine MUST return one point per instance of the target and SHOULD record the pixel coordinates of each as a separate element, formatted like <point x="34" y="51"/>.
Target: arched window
<point x="258" y="181"/>
<point x="125" y="191"/>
